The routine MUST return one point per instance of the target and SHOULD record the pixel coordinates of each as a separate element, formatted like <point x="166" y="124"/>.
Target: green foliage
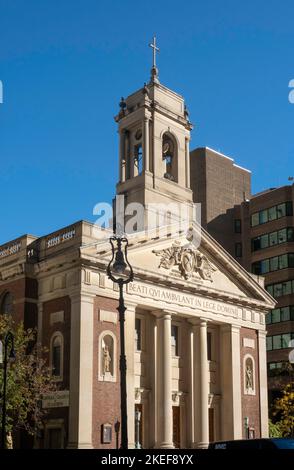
<point x="28" y="378"/>
<point x="274" y="429"/>
<point x="283" y="410"/>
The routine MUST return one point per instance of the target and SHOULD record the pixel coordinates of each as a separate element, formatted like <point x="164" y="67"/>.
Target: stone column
<point x="122" y="162"/>
<point x="195" y="375"/>
<point x="127" y="155"/>
<point x="130" y="356"/>
<point x="263" y="383"/>
<point x="81" y="371"/>
<point x="146" y="144"/>
<point x="165" y="416"/>
<point x="40" y="324"/>
<point x="187" y="153"/>
<point x="191" y="391"/>
<point x="231" y="383"/>
<point x="204" y="386"/>
<point x="153" y="429"/>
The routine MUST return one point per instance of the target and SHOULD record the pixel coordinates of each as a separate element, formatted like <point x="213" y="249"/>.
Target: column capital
<point x="262" y="333"/>
<point x="130" y="306"/>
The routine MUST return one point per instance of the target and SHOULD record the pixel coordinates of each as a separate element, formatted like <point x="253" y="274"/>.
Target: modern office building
<point x="258" y="230"/>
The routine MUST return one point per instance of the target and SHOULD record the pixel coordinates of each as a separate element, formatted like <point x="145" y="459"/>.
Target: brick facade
<point x="250" y="403"/>
<point x="106" y="395"/>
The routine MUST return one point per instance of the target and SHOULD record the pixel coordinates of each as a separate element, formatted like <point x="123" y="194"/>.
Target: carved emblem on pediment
<point x="189" y="261"/>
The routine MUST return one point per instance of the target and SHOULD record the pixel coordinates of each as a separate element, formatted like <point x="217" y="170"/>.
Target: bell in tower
<point x="154" y="133"/>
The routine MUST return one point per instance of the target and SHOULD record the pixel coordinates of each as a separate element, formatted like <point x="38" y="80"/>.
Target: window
<point x="281" y="314"/>
<point x="263" y="216"/>
<point x="272" y="213"/>
<point x="238" y="226"/>
<point x="285" y="313"/>
<point x="255" y="219"/>
<point x="279" y="341"/>
<point x="264" y="241"/>
<point x="138" y="152"/>
<point x="57" y="355"/>
<point x="7" y="304"/>
<point x="289" y="208"/>
<point x="138" y="332"/>
<point x="169" y="157"/>
<point x="175" y="340"/>
<point x="281" y="288"/>
<point x="281" y="210"/>
<point x="276" y="315"/>
<point x="209" y="346"/>
<point x="238" y="250"/>
<point x="290" y="234"/>
<point x="271" y="239"/>
<point x="281" y="236"/>
<point x="269" y="343"/>
<point x="273" y="264"/>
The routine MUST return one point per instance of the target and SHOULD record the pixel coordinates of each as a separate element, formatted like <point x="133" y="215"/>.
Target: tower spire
<point x="154" y="69"/>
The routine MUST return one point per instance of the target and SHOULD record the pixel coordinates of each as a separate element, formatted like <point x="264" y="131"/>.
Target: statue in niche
<point x="106" y="360"/>
<point x="249" y="376"/>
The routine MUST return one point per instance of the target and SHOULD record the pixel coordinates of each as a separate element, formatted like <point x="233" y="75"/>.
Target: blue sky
<point x="65" y="64"/>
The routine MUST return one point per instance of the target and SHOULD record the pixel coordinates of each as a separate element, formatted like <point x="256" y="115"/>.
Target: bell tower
<point x="154" y="134"/>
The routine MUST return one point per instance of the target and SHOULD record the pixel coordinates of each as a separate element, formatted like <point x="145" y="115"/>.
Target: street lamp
<point x="137" y="429"/>
<point x="116" y="271"/>
<point x="8" y="341"/>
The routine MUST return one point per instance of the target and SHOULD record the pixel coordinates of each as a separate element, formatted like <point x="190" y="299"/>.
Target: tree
<point x="274" y="429"/>
<point x="28" y="379"/>
<point x="283" y="410"/>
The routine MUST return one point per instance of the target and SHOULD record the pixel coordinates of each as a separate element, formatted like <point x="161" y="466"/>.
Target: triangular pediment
<point x="173" y="259"/>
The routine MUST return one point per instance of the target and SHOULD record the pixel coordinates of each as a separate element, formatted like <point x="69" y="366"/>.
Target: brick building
<point x="195" y="319"/>
<point x="258" y="231"/>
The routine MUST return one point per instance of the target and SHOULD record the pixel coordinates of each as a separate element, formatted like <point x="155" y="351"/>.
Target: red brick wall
<point x="250" y="403"/>
<point x="24" y="310"/>
<point x="56" y="305"/>
<point x="106" y="395"/>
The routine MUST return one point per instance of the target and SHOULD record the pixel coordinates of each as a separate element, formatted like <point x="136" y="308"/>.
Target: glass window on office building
<point x="255" y="219"/>
<point x="264" y="241"/>
<point x="276" y="315"/>
<point x="238" y="226"/>
<point x="290" y="234"/>
<point x="273" y="239"/>
<point x="269" y="343"/>
<point x="283" y="261"/>
<point x="272" y="213"/>
<point x="277" y="343"/>
<point x="274" y="263"/>
<point x="282" y="235"/>
<point x="285" y="340"/>
<point x="263" y="216"/>
<point x="281" y="210"/>
<point x="285" y="313"/>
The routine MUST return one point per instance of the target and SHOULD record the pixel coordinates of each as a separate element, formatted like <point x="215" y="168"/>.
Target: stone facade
<point x="189" y="309"/>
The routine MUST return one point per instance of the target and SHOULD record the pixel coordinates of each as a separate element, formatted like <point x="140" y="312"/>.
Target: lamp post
<point x="8" y="340"/>
<point x="137" y="429"/>
<point x="116" y="271"/>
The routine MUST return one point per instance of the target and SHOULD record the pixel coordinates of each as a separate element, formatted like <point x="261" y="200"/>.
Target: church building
<point x="195" y="320"/>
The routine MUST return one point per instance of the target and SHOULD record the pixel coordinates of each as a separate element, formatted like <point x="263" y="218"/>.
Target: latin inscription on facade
<point x="185" y="300"/>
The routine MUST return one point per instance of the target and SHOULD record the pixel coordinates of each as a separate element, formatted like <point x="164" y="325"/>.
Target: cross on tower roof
<point x="154" y="70"/>
<point x="155" y="49"/>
